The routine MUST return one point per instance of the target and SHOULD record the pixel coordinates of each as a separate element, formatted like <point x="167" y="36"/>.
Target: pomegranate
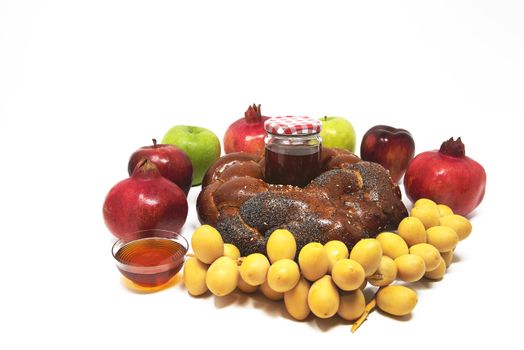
<point x="144" y="201"/>
<point x="246" y="134"/>
<point x="448" y="177"/>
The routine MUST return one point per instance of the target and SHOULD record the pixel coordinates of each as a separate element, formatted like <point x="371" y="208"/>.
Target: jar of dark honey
<point x="293" y="150"/>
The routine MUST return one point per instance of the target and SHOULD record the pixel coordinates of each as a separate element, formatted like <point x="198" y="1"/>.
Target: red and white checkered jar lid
<point x="293" y="125"/>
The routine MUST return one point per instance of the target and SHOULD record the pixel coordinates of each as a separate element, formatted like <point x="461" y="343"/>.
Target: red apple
<point x="171" y="161"/>
<point x="247" y="134"/>
<point x="390" y="147"/>
<point x="144" y="201"/>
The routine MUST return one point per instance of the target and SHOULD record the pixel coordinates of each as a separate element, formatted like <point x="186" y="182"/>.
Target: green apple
<point x="201" y="145"/>
<point x="337" y="132"/>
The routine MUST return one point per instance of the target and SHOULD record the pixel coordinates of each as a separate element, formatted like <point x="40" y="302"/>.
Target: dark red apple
<point x="247" y="134"/>
<point x="144" y="201"/>
<point x="171" y="161"/>
<point x="390" y="147"/>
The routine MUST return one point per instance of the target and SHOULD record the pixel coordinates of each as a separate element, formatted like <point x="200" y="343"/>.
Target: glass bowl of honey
<point x="151" y="261"/>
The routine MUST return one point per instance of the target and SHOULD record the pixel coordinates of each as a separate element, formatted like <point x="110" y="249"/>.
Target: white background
<point x="85" y="83"/>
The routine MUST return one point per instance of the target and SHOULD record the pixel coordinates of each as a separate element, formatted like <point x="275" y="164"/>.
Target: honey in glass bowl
<point x="152" y="261"/>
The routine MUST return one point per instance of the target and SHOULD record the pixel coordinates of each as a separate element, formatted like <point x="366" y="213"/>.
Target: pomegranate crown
<point x="145" y="169"/>
<point x="253" y="114"/>
<point x="453" y="148"/>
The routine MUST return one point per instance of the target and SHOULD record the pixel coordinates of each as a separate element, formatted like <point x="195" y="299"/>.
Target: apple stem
<point x="325" y="117"/>
<point x="453" y="148"/>
<point x="154" y="142"/>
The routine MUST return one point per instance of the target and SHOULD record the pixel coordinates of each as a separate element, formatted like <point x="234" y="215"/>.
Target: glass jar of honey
<point x="292" y="150"/>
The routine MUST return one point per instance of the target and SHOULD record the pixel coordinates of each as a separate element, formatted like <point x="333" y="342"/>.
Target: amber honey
<point x="150" y="262"/>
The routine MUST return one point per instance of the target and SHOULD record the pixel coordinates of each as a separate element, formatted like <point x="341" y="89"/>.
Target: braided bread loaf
<point x="350" y="200"/>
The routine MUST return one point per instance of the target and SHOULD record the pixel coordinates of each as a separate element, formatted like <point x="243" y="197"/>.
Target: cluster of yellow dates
<point x="328" y="279"/>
